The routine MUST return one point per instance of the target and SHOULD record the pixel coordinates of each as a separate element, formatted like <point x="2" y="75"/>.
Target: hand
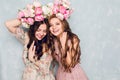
<point x="31" y="51"/>
<point x="68" y="58"/>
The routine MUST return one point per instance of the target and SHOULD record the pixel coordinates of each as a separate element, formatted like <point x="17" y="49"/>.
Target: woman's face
<point x="41" y="32"/>
<point x="56" y="27"/>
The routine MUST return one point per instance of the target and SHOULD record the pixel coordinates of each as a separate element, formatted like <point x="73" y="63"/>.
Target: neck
<point x="59" y="36"/>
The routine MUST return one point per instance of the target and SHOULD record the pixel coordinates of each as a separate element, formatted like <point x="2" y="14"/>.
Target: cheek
<point x="45" y="34"/>
<point x="35" y="34"/>
<point x="50" y="29"/>
<point x="60" y="27"/>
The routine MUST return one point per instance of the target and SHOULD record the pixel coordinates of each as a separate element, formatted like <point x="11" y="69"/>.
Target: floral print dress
<point x="31" y="71"/>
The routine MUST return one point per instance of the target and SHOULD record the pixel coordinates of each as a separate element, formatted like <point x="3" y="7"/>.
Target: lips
<point x="55" y="31"/>
<point x="39" y="36"/>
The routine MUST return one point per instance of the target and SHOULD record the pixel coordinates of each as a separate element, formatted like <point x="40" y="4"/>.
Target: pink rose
<point x="23" y="19"/>
<point x="30" y="21"/>
<point x="38" y="10"/>
<point x="21" y="14"/>
<point x="39" y="17"/>
<point x="62" y="9"/>
<point x="55" y="9"/>
<point x="68" y="13"/>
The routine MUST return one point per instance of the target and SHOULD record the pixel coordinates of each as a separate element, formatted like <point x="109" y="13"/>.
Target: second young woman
<point x="67" y="50"/>
<point x="37" y="53"/>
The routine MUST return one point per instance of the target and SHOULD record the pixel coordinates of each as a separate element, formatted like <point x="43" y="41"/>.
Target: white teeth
<point x="39" y="36"/>
<point x="55" y="31"/>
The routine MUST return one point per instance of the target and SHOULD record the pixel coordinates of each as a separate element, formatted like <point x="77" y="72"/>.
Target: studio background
<point x="96" y="22"/>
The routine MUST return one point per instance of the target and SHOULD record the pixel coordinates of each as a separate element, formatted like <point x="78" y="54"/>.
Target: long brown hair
<point x="39" y="43"/>
<point x="73" y="38"/>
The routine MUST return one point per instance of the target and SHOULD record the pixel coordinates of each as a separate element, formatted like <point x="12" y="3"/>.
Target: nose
<point x="41" y="33"/>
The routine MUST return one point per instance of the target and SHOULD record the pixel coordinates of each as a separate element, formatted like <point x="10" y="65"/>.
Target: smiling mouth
<point x="40" y="36"/>
<point x="55" y="31"/>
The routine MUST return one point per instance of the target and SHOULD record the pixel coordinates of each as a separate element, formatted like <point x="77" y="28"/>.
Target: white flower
<point x="31" y="12"/>
<point x="46" y="10"/>
<point x="25" y="25"/>
<point x="26" y="12"/>
<point x="66" y="1"/>
<point x="36" y="4"/>
<point x="66" y="5"/>
<point x="60" y="16"/>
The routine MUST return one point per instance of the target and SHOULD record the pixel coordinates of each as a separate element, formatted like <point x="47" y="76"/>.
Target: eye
<point x="39" y="30"/>
<point x="57" y="23"/>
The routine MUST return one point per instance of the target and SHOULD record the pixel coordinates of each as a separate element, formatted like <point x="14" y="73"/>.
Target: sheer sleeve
<point x="23" y="37"/>
<point x="24" y="56"/>
<point x="20" y="35"/>
<point x="26" y="60"/>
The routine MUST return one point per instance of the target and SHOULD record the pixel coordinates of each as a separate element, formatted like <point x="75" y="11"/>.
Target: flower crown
<point x="36" y="12"/>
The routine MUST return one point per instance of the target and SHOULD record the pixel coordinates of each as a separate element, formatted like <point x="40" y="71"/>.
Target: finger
<point x="34" y="49"/>
<point x="32" y="45"/>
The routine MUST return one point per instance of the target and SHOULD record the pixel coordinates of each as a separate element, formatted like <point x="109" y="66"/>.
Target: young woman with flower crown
<point x="67" y="50"/>
<point x="37" y="47"/>
<point x="66" y="45"/>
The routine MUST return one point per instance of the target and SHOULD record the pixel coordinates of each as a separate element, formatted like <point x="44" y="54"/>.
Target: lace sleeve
<point x="24" y="56"/>
<point x="20" y="35"/>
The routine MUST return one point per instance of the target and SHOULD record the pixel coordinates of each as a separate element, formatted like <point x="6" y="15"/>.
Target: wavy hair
<point x="74" y="48"/>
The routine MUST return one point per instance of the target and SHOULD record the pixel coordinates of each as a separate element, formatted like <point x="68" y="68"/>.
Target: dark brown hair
<point x="75" y="48"/>
<point x="39" y="43"/>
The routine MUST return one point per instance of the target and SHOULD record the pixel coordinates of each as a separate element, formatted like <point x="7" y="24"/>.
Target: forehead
<point x="43" y="26"/>
<point x="54" y="20"/>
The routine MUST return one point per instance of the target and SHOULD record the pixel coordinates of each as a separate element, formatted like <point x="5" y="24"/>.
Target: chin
<point x="55" y="34"/>
<point x="39" y="38"/>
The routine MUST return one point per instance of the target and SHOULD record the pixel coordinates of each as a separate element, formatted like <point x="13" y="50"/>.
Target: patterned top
<point x="31" y="71"/>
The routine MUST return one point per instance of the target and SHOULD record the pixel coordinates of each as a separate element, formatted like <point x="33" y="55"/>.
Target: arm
<point x="12" y="25"/>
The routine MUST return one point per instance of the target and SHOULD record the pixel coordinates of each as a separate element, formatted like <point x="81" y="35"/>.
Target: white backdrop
<point x="96" y="22"/>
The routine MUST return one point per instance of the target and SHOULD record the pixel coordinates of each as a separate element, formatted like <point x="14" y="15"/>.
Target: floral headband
<point x="36" y="12"/>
